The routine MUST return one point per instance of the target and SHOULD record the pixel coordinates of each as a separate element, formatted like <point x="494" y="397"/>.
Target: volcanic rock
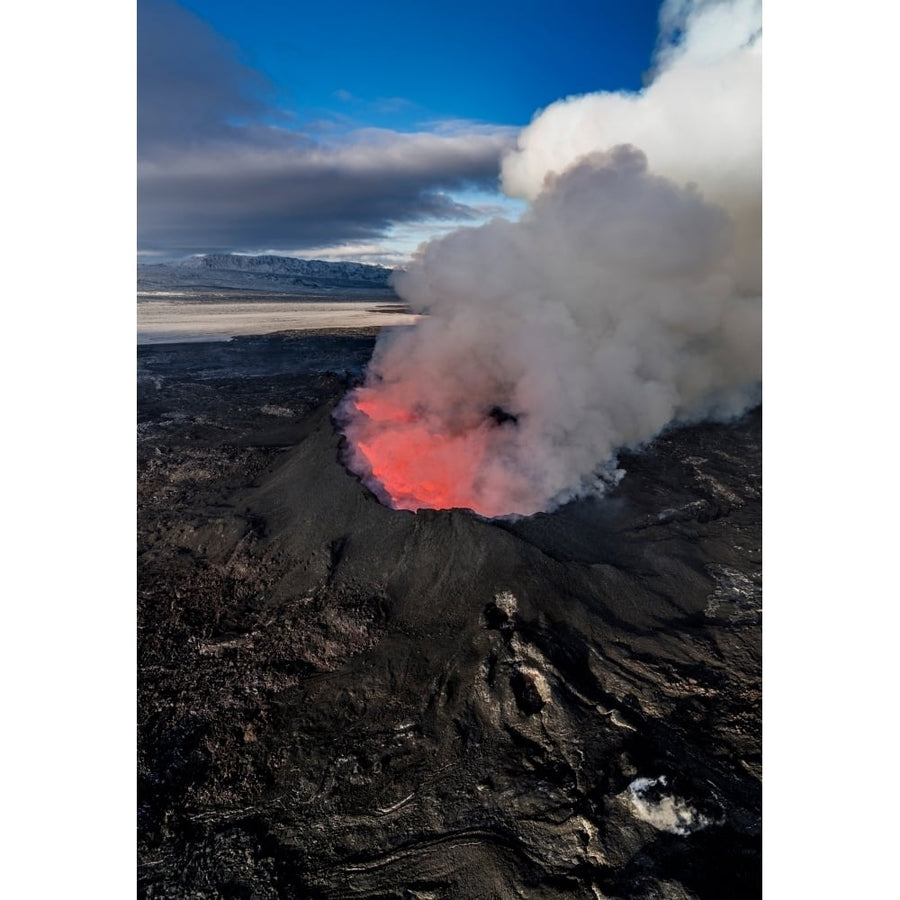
<point x="338" y="699"/>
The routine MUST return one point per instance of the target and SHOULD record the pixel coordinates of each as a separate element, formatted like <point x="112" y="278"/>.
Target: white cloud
<point x="626" y="297"/>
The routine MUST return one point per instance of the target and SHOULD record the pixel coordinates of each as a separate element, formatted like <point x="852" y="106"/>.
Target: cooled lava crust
<point x="338" y="699"/>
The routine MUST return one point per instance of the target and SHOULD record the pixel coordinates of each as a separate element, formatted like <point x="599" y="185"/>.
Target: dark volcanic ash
<point x="626" y="298"/>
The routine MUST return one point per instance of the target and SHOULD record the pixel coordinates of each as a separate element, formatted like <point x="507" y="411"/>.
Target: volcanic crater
<point x="339" y="699"/>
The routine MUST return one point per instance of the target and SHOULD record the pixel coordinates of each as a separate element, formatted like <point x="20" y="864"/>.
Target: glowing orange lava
<point x="418" y="465"/>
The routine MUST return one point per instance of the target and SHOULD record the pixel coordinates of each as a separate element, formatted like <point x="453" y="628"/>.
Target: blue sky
<point x="397" y="64"/>
<point x="353" y="130"/>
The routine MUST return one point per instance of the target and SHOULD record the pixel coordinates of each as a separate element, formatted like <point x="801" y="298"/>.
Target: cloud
<point x="214" y="173"/>
<point x="250" y="195"/>
<point x="625" y="298"/>
<point x="190" y="83"/>
<point x="704" y="31"/>
<point x="699" y="121"/>
<point x="371" y="252"/>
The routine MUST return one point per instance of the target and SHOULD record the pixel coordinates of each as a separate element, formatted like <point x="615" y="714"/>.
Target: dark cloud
<point x="207" y="183"/>
<point x="189" y="80"/>
<point x="244" y="196"/>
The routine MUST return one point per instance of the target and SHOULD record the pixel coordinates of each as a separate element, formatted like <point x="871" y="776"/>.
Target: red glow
<point x="381" y="410"/>
<point x="418" y="466"/>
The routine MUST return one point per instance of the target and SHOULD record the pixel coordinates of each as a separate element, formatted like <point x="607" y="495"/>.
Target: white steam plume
<point x="626" y="297"/>
<point x="699" y="121"/>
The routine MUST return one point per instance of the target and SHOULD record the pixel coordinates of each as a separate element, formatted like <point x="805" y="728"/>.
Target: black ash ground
<point x="342" y="700"/>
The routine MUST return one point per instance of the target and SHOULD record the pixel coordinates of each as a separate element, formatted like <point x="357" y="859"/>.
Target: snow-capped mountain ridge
<point x="280" y="274"/>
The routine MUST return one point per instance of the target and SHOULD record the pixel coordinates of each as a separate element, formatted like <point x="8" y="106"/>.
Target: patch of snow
<point x="665" y="812"/>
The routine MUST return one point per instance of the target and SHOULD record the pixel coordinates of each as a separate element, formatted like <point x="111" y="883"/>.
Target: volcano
<point x="339" y="698"/>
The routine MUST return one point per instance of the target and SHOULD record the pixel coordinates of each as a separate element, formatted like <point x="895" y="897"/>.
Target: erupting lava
<point x="417" y="462"/>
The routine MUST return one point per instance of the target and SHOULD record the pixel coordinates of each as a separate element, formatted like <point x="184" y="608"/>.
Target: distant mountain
<point x="277" y="274"/>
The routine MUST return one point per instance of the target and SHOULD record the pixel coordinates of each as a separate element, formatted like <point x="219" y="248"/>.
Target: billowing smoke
<point x="625" y="298"/>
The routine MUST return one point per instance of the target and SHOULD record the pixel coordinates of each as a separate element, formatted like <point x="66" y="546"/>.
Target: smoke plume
<point x="627" y="296"/>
